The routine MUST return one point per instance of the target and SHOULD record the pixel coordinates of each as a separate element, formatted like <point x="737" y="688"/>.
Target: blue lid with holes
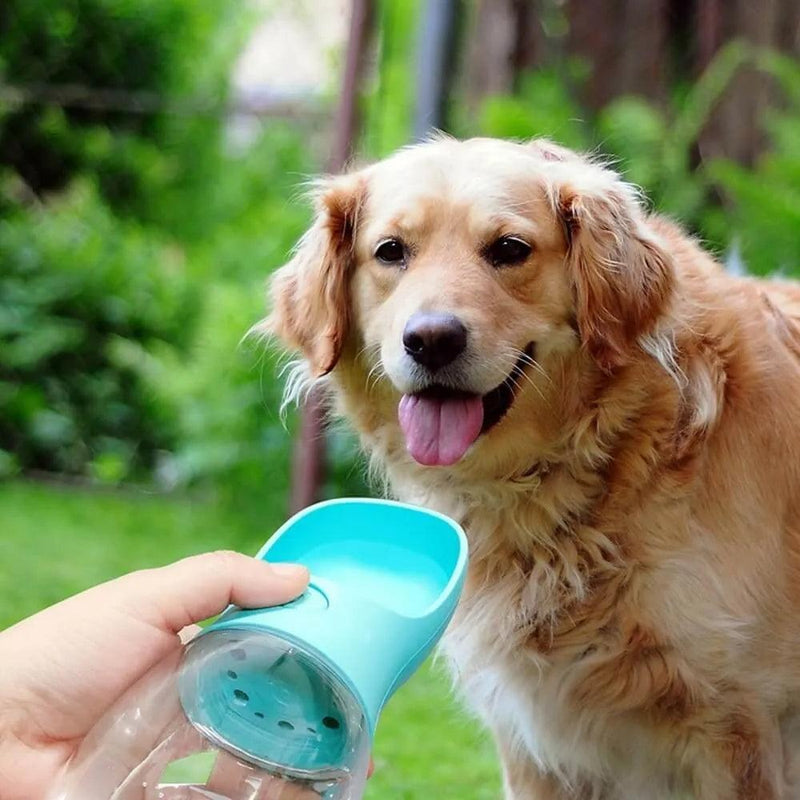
<point x="298" y="688"/>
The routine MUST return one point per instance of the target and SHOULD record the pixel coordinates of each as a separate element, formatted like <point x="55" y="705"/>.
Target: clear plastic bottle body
<point x="240" y="715"/>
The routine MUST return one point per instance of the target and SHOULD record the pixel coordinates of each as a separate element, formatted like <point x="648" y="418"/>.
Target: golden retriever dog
<point x="614" y="420"/>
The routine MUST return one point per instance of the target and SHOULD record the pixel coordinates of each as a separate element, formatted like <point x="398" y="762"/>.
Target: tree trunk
<point x="506" y="37"/>
<point x="625" y="46"/>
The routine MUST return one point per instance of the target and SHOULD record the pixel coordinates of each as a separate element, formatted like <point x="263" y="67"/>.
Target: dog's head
<point x="453" y="273"/>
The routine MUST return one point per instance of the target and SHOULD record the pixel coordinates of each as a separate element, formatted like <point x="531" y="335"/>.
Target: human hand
<point x="63" y="668"/>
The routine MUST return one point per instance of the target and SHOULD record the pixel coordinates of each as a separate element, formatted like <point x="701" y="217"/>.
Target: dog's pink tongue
<point x="439" y="431"/>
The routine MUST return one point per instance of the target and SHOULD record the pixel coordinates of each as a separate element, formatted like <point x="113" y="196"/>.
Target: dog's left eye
<point x="507" y="251"/>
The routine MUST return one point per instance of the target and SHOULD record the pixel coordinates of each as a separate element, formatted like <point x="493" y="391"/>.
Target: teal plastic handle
<point x="386" y="578"/>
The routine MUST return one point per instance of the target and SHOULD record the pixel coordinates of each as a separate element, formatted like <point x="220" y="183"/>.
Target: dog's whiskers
<point x="374" y="346"/>
<point x="515" y="380"/>
<point x="532" y="362"/>
<point x="376" y="373"/>
<point x="524" y="358"/>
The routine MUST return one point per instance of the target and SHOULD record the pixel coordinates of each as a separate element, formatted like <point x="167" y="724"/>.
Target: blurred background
<point x="152" y="159"/>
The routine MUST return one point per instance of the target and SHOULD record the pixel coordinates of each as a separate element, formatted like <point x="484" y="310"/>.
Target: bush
<point x="227" y="397"/>
<point x="544" y="106"/>
<point x="107" y="85"/>
<point x="79" y="291"/>
<point x="238" y="215"/>
<point x="228" y="394"/>
<point x="100" y="372"/>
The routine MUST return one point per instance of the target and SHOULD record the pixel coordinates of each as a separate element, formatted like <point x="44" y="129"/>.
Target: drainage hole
<point x="330" y="722"/>
<point x="239" y="654"/>
<point x="286" y="725"/>
<point x="240" y="696"/>
<point x="232" y="674"/>
<point x="259" y="715"/>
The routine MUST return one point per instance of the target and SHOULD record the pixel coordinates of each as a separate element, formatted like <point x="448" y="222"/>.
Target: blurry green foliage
<point x="131" y="54"/>
<point x="240" y="220"/>
<point x="544" y="106"/>
<point x="729" y="205"/>
<point x="78" y="289"/>
<point x="227" y="396"/>
<point x="189" y="387"/>
<point x="134" y="247"/>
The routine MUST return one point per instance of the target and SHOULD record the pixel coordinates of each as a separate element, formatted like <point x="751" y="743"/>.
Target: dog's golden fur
<point x="630" y="626"/>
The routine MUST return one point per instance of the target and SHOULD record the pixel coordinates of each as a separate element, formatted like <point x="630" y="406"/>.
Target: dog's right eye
<point x="391" y="251"/>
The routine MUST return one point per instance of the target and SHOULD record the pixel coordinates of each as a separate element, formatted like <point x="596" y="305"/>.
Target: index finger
<point x="199" y="587"/>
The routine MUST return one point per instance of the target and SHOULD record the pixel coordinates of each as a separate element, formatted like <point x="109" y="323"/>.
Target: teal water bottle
<point x="282" y="703"/>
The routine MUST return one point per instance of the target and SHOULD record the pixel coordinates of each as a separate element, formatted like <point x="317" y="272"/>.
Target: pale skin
<point x="62" y="668"/>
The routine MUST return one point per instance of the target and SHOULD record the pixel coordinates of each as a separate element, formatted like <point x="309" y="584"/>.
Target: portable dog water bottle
<point x="285" y="700"/>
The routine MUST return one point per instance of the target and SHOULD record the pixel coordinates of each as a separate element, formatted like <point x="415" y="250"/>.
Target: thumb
<point x="199" y="587"/>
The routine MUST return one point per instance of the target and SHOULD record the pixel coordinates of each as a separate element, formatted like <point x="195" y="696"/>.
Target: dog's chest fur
<point x="537" y="644"/>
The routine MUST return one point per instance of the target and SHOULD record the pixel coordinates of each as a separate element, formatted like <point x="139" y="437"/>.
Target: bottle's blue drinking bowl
<point x="297" y="690"/>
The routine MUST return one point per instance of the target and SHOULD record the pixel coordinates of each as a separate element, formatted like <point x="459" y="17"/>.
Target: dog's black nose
<point x="434" y="340"/>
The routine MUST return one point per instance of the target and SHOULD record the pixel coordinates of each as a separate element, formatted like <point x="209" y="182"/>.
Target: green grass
<point x="55" y="542"/>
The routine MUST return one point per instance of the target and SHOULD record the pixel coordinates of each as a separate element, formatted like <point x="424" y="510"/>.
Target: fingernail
<point x="289" y="570"/>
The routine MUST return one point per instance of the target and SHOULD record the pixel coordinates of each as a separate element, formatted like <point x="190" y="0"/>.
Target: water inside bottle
<point x="265" y="721"/>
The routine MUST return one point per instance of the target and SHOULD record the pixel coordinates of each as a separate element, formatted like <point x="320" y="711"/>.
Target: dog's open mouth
<point x="440" y="424"/>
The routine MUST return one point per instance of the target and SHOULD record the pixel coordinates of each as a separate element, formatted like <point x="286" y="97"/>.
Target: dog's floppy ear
<point x="310" y="295"/>
<point x="622" y="277"/>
